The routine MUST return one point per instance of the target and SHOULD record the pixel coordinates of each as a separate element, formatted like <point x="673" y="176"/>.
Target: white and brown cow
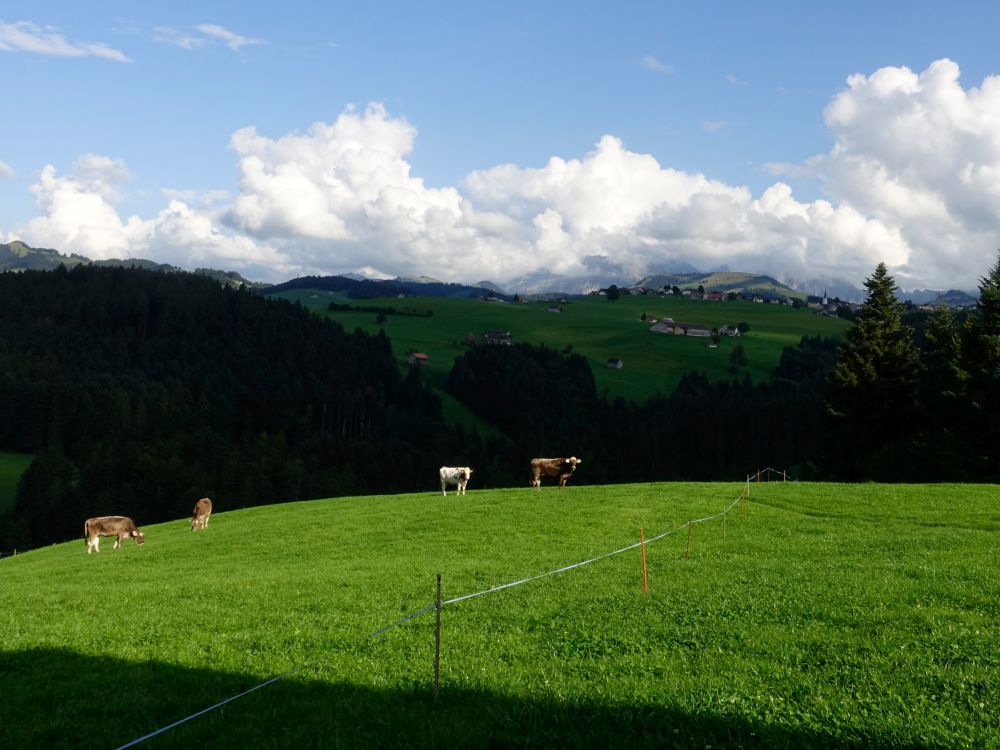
<point x="553" y="467"/>
<point x="201" y="513"/>
<point x="121" y="527"/>
<point x="456" y="475"/>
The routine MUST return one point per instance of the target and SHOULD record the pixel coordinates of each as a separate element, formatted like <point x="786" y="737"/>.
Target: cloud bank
<point x="913" y="179"/>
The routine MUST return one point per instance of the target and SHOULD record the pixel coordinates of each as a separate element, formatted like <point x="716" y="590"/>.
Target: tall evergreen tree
<point x="943" y="388"/>
<point x="871" y="394"/>
<point x="981" y="348"/>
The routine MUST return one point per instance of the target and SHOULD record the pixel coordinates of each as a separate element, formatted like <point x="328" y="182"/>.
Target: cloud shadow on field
<point x="56" y="698"/>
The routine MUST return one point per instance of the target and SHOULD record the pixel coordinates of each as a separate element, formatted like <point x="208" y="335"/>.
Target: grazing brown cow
<point x="200" y="514"/>
<point x="121" y="527"/>
<point x="553" y="467"/>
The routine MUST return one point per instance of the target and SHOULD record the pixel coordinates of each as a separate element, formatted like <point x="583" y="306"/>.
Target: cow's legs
<point x="443" y="490"/>
<point x="118" y="542"/>
<point x="93" y="544"/>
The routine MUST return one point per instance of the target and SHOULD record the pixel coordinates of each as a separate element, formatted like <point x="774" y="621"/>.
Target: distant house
<point x="555" y="309"/>
<point x="679" y="329"/>
<point x="715" y="296"/>
<point x="615" y="364"/>
<point x="502" y="338"/>
<point x="728" y="330"/>
<point x="418" y="358"/>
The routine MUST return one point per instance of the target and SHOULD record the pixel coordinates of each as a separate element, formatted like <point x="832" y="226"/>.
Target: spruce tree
<point x="872" y="392"/>
<point x="943" y="395"/>
<point x="981" y="349"/>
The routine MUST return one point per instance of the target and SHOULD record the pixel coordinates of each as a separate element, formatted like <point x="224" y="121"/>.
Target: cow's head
<point x="572" y="462"/>
<point x="138" y="537"/>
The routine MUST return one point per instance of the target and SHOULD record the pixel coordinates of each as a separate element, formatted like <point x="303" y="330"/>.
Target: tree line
<point x="910" y="402"/>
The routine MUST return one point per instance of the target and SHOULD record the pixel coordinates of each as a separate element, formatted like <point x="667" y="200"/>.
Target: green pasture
<point x="599" y="330"/>
<point x="822" y="615"/>
<point x="12" y="465"/>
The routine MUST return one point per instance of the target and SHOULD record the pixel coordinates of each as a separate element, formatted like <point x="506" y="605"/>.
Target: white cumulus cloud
<point x="5" y="170"/>
<point x="25" y="36"/>
<point x="201" y="36"/>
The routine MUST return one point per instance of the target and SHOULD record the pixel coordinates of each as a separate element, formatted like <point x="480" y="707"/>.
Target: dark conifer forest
<point x="140" y="391"/>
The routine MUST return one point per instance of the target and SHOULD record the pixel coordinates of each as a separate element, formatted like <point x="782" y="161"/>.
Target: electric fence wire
<point x="430" y="607"/>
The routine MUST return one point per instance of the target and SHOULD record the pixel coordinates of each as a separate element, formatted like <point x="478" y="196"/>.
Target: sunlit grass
<point x="599" y="330"/>
<point x="836" y="615"/>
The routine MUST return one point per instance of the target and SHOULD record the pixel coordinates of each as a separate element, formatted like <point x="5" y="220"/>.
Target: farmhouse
<point x="680" y="329"/>
<point x="502" y="338"/>
<point x="615" y="364"/>
<point x="555" y="309"/>
<point x="418" y="358"/>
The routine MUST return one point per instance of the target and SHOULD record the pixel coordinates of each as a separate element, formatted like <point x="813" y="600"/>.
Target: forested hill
<point x="372" y="289"/>
<point x="140" y="392"/>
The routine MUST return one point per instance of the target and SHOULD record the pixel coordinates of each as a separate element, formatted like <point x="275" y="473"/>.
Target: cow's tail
<point x="86" y="531"/>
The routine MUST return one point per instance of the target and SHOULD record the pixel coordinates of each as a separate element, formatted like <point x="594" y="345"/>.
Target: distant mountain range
<point x="17" y="256"/>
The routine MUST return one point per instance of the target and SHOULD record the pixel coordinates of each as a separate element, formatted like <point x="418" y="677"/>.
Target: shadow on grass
<point x="53" y="698"/>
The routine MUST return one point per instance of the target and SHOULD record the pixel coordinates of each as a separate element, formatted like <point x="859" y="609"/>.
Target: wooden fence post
<point x="437" y="640"/>
<point x="642" y="546"/>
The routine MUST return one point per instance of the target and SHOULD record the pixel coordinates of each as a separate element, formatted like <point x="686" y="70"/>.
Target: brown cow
<point x="553" y="467"/>
<point x="121" y="527"/>
<point x="200" y="514"/>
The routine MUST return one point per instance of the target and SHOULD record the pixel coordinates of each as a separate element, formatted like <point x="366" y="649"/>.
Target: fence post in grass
<point x="437" y="639"/>
<point x="642" y="547"/>
<point x="687" y="552"/>
<point x="784" y="475"/>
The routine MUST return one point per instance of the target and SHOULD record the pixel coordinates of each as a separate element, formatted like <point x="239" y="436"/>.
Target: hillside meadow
<point x="820" y="615"/>
<point x="594" y="327"/>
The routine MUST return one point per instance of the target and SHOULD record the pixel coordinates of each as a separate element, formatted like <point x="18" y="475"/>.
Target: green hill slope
<point x="600" y="330"/>
<point x="822" y="615"/>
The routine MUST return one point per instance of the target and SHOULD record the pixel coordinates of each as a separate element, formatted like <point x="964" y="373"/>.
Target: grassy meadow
<point x="823" y="615"/>
<point x="12" y="465"/>
<point x="594" y="327"/>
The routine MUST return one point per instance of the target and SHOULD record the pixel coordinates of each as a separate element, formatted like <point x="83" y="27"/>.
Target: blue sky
<point x="470" y="141"/>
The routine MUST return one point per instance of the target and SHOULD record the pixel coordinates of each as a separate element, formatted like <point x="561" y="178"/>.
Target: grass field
<point x="828" y="616"/>
<point x="12" y="465"/>
<point x="596" y="328"/>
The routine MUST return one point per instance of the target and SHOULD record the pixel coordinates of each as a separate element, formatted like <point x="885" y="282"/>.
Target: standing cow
<point x="121" y="527"/>
<point x="553" y="467"/>
<point x="200" y="514"/>
<point x="456" y="475"/>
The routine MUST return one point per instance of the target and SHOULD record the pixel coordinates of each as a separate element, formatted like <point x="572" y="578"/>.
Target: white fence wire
<point x="455" y="600"/>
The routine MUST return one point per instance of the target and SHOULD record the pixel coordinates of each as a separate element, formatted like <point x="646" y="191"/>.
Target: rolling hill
<point x="594" y="327"/>
<point x="815" y="615"/>
<point x="17" y="256"/>
<point x="724" y="281"/>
